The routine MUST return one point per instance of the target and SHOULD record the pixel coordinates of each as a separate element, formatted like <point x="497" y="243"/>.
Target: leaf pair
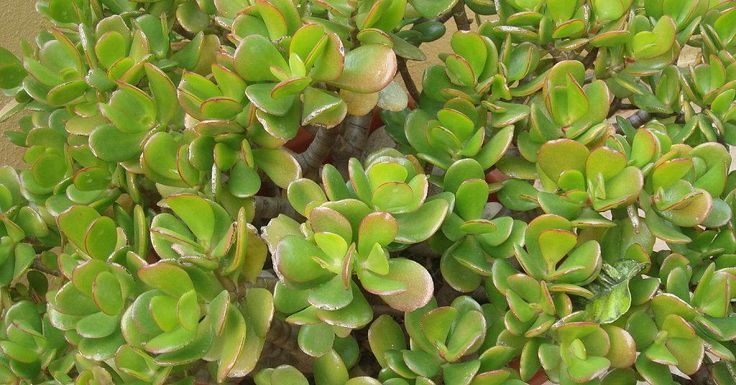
<point x="554" y="254"/>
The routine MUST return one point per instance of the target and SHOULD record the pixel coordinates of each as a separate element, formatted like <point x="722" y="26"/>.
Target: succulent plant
<point x="476" y="238"/>
<point x="204" y="200"/>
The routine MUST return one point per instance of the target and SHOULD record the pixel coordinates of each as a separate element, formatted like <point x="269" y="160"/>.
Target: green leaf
<point x="254" y="58"/>
<point x="244" y="181"/>
<point x="471" y="198"/>
<point x="418" y="282"/>
<point x="111" y="47"/>
<point x="328" y="220"/>
<point x="724" y="26"/>
<point x="330" y="369"/>
<point x="332" y="295"/>
<point x="279" y="165"/>
<point x="108" y="294"/>
<point x="18" y="352"/>
<point x="469" y="329"/>
<point x="376" y="228"/>
<point x="166" y="277"/>
<point x="622" y="353"/>
<point x="518" y="195"/>
<point x="612" y="296"/>
<point x="431" y="9"/>
<point x="555" y="244"/>
<point x="384" y="335"/>
<point x="164" y="93"/>
<point x="419" y="225"/>
<point x="316" y="340"/>
<point x="74" y="223"/>
<point x="293" y="261"/>
<point x="356" y="315"/>
<point x="648" y="45"/>
<point x="437" y="324"/>
<point x="232" y="342"/>
<point x="365" y="380"/>
<point x="261" y="96"/>
<point x="135" y="363"/>
<point x="113" y="145"/>
<point x="160" y="157"/>
<point x="368" y="69"/>
<point x="558" y="156"/>
<point x="196" y="349"/>
<point x="196" y="213"/>
<point x="322" y="108"/>
<point x="171" y="341"/>
<point x="460" y="71"/>
<point x="334" y="184"/>
<point x="460" y="373"/>
<point x="188" y="312"/>
<point x="304" y="195"/>
<point x="653" y="373"/>
<point x="393" y="197"/>
<point x="101" y="238"/>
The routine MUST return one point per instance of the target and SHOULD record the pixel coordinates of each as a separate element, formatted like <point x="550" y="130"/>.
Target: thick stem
<point x="590" y="57"/>
<point x="461" y="18"/>
<point x="615" y="106"/>
<point x="631" y="210"/>
<point x="381" y="309"/>
<point x="411" y="86"/>
<point x="422" y="250"/>
<point x="318" y="151"/>
<point x="559" y="55"/>
<point x="639" y="118"/>
<point x="701" y="377"/>
<point x="352" y="141"/>
<point x="271" y="207"/>
<point x="627" y="106"/>
<point x="38" y="265"/>
<point x="444" y="18"/>
<point x="446" y="294"/>
<point x="263" y="282"/>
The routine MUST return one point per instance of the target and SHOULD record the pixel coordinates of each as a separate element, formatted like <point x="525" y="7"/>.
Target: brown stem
<point x="411" y="87"/>
<point x="480" y="294"/>
<point x="263" y="282"/>
<point x="446" y="294"/>
<point x="615" y="106"/>
<point x="183" y="32"/>
<point x="444" y="18"/>
<point x="318" y="151"/>
<point x="271" y="207"/>
<point x="38" y="265"/>
<point x="701" y="377"/>
<point x="352" y="141"/>
<point x="559" y="55"/>
<point x="639" y="118"/>
<point x="423" y="250"/>
<point x="461" y="18"/>
<point x="356" y="133"/>
<point x="590" y="57"/>
<point x="381" y="309"/>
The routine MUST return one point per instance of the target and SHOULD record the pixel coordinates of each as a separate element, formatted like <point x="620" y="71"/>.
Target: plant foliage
<point x="201" y="204"/>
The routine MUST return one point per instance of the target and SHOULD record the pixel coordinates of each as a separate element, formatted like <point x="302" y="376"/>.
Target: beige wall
<point x="18" y="21"/>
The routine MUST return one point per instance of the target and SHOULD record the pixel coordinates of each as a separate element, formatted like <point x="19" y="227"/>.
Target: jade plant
<point x="295" y="192"/>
